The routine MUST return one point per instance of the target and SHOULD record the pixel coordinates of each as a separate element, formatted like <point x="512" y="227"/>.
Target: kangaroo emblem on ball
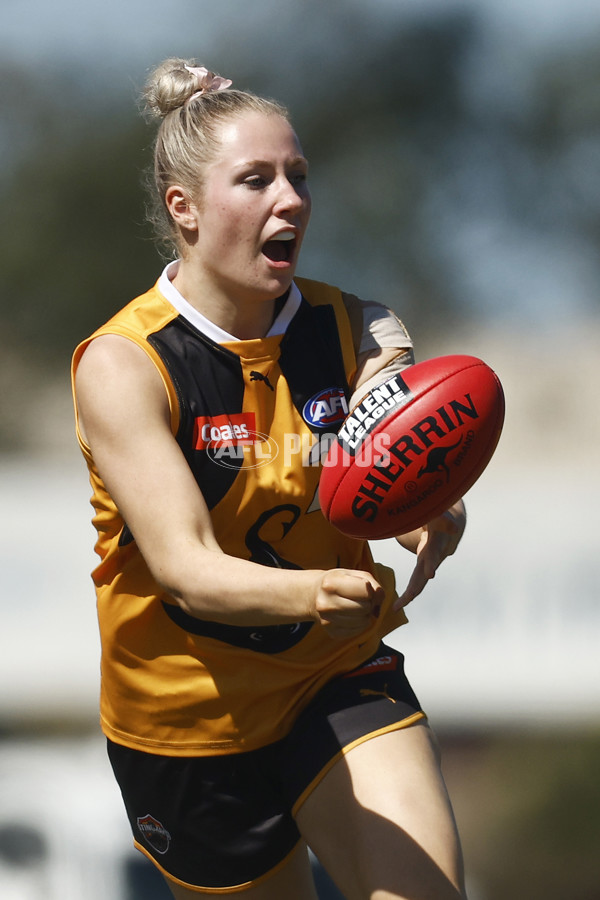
<point x="436" y="460"/>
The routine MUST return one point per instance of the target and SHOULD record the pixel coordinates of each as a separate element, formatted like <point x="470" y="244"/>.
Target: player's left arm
<point x="383" y="348"/>
<point x="432" y="543"/>
<point x="381" y="343"/>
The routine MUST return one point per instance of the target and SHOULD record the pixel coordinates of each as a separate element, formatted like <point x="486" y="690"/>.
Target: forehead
<point x="255" y="136"/>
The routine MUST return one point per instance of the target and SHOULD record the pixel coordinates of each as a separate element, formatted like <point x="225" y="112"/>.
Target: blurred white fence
<point x="506" y="634"/>
<point x="508" y="630"/>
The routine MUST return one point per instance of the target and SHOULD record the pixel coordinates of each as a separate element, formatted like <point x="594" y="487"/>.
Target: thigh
<point x="291" y="881"/>
<point x="209" y="823"/>
<point x="374" y="698"/>
<point x="381" y="822"/>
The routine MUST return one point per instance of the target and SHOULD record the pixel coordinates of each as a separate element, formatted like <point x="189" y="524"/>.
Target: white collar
<point x="201" y="323"/>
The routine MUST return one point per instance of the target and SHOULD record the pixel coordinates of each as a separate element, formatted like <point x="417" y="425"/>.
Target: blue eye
<point x="257" y="181"/>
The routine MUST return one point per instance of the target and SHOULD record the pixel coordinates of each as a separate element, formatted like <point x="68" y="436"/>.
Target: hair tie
<point x="207" y="81"/>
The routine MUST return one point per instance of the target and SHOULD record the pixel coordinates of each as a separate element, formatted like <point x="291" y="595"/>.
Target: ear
<point x="181" y="208"/>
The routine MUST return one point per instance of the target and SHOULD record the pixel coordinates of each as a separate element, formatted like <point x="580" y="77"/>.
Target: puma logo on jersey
<point x="258" y="376"/>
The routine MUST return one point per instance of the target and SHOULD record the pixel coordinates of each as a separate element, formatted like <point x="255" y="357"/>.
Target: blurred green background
<point x="455" y="171"/>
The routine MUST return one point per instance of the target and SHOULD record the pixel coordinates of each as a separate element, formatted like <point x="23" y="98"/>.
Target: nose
<point x="291" y="197"/>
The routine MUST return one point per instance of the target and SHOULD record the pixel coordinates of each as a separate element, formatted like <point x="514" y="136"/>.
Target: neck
<point x="244" y="317"/>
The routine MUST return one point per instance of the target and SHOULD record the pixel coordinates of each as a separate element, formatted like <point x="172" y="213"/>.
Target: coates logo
<point x="326" y="408"/>
<point x="252" y="452"/>
<point x="232" y="430"/>
<point x="231" y="441"/>
<point x="154" y="833"/>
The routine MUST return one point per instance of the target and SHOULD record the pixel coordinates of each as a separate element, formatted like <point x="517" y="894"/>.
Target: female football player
<point x="250" y="706"/>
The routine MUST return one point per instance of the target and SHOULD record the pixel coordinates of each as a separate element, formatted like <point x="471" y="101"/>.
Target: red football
<point x="412" y="447"/>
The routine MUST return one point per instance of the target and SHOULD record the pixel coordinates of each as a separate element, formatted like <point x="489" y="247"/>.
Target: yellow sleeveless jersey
<point x="250" y="417"/>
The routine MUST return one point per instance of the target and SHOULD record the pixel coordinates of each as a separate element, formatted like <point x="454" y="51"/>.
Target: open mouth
<point x="281" y="248"/>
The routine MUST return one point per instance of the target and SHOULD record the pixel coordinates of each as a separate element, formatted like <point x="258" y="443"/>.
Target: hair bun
<point x="193" y="104"/>
<point x="169" y="87"/>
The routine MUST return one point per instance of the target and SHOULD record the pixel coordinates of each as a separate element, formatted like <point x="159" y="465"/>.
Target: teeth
<point x="284" y="236"/>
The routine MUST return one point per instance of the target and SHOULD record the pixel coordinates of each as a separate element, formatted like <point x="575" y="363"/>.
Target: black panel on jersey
<point x="209" y="382"/>
<point x="311" y="356"/>
<point x="261" y="639"/>
<point x="261" y="551"/>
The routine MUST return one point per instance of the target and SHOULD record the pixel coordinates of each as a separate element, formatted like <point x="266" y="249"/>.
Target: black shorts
<point x="225" y="822"/>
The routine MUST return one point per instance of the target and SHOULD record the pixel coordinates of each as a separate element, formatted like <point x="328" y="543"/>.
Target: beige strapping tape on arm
<point x="404" y="359"/>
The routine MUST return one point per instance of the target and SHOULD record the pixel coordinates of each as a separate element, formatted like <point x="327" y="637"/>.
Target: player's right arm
<point x="124" y="418"/>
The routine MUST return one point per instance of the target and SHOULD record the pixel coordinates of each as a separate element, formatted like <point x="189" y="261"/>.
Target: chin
<point x="279" y="285"/>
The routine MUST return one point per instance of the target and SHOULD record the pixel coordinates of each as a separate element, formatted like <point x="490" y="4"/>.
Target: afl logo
<point x="326" y="408"/>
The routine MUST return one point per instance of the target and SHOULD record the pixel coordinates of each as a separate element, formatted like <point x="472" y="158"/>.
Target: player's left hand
<point x="432" y="544"/>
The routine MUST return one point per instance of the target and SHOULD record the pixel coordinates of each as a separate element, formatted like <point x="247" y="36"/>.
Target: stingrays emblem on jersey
<point x="326" y="408"/>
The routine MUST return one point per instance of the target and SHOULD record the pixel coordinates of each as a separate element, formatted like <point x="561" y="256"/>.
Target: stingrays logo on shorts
<point x="326" y="408"/>
<point x="155" y="833"/>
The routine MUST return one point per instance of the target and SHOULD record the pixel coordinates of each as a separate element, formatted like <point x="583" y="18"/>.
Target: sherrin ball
<point x="412" y="447"/>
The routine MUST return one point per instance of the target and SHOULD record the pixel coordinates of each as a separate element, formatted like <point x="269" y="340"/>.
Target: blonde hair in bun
<point x="188" y="136"/>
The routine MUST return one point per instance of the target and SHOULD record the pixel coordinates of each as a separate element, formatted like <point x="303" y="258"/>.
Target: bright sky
<point x="37" y="29"/>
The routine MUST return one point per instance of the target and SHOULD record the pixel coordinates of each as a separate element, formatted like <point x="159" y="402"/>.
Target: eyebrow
<point x="251" y="163"/>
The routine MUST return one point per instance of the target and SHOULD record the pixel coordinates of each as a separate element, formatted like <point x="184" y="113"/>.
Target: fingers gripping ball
<point x="412" y="447"/>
